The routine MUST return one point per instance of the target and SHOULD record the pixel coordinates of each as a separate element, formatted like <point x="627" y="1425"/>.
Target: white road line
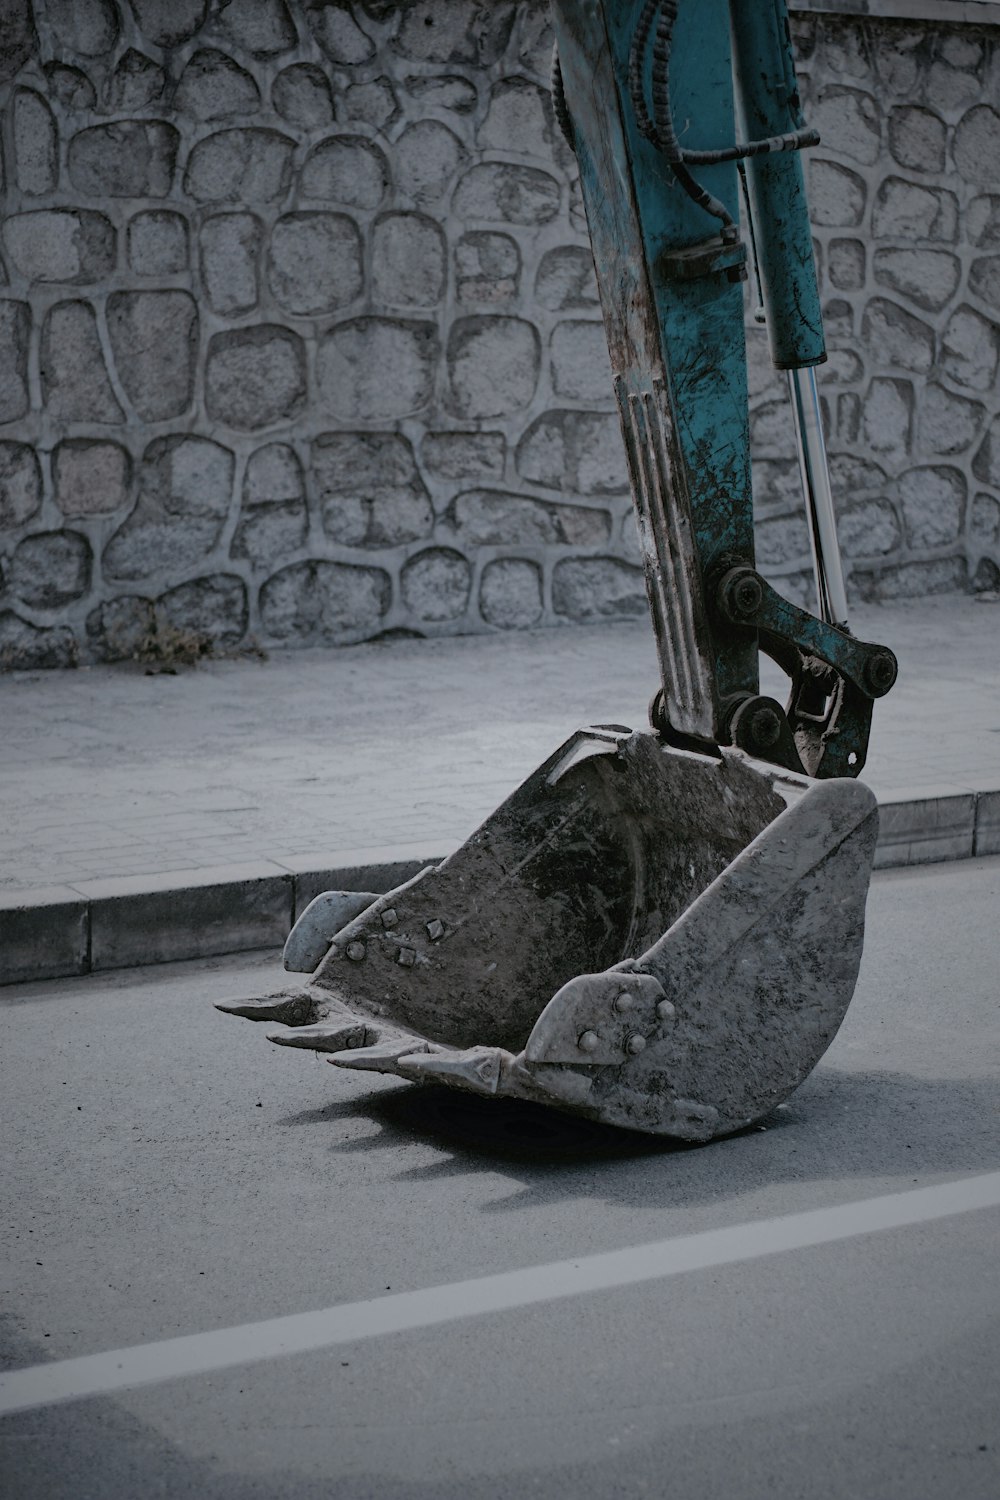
<point x="199" y="1353"/>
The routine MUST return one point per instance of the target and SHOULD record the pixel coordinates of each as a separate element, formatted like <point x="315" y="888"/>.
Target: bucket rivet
<point x="664" y="1010"/>
<point x="356" y="952"/>
<point x="589" y="1041"/>
<point x="435" y="929"/>
<point x="624" y="1001"/>
<point x="389" y="918"/>
<point x="635" y="1044"/>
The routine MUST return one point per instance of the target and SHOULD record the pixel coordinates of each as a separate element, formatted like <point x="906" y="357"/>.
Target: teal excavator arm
<point x="652" y="95"/>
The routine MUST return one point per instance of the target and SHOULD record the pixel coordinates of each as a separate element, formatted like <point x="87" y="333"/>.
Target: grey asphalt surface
<point x="169" y="1172"/>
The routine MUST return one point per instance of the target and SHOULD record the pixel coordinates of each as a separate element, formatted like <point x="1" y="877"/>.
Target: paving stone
<point x="301" y="95"/>
<point x="574" y="451"/>
<point x="154" y="338"/>
<point x="36" y="144"/>
<point x="896" y="337"/>
<point x="579" y="363"/>
<point x="492" y="366"/>
<point x="91" y="477"/>
<point x="374" y="369"/>
<point x="445" y="91"/>
<point x="970" y="349"/>
<point x="20" y="484"/>
<point x="487" y="267"/>
<point x="933" y="505"/>
<point x="185" y="490"/>
<point x="369" y="489"/>
<point x="982" y="221"/>
<point x="463" y="31"/>
<point x="587" y="588"/>
<point x="948" y="423"/>
<point x="19" y="40"/>
<point x="409" y="260"/>
<point x="436" y="585"/>
<point x="76" y="245"/>
<point x="230" y="250"/>
<point x="315" y="262"/>
<point x="914" y="211"/>
<point x="849" y="123"/>
<point x="508" y="193"/>
<point x="565" y="279"/>
<point x="75" y="380"/>
<point x="518" y="119"/>
<point x="242" y="165"/>
<point x="762" y="378"/>
<point x="984" y="279"/>
<point x="846" y="264"/>
<point x="927" y="277"/>
<point x="984" y="521"/>
<point x="986" y="463"/>
<point x="120" y="629"/>
<point x="89" y="27"/>
<point x="868" y="528"/>
<point x="464" y="455"/>
<point x="263" y="27"/>
<point x="843" y="367"/>
<point x="158" y="243"/>
<point x="15" y="331"/>
<point x="838" y="320"/>
<point x="24" y="647"/>
<point x="976" y="144"/>
<point x="214" y="87"/>
<point x="780" y="540"/>
<point x="255" y="376"/>
<point x="913" y="580"/>
<point x="776" y="483"/>
<point x="510" y="593"/>
<point x="129" y="159"/>
<point x="316" y="602"/>
<point x="338" y="32"/>
<point x="888" y="417"/>
<point x="425" y="159"/>
<point x="534" y="40"/>
<point x="68" y="87"/>
<point x="491" y="518"/>
<point x="345" y="169"/>
<point x="836" y="194"/>
<point x="771" y="429"/>
<point x="136" y="82"/>
<point x="917" y="138"/>
<point x="273" y="472"/>
<point x="50" y="569"/>
<point x="267" y="533"/>
<point x="168" y="23"/>
<point x="374" y="103"/>
<point x="212" y="609"/>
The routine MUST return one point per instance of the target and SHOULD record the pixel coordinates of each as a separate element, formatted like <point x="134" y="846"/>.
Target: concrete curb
<point x="97" y="925"/>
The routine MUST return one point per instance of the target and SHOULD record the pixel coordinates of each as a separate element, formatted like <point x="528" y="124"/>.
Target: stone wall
<point x="299" y="339"/>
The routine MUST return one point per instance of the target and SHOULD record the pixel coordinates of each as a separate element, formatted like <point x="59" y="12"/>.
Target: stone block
<point x="868" y="528"/>
<point x="843" y="367"/>
<point x="783" y="539"/>
<point x="492" y="366"/>
<point x="762" y="378"/>
<point x="927" y="277"/>
<point x="90" y="477"/>
<point x="574" y="451"/>
<point x="243" y="165"/>
<point x="849" y="123"/>
<point x="136" y="83"/>
<point x="943" y="575"/>
<point x="487" y="267"/>
<point x="425" y="158"/>
<point x="455" y="31"/>
<point x="846" y="265"/>
<point x="50" y="569"/>
<point x="444" y="91"/>
<point x="75" y="383"/>
<point x="373" y="103"/>
<point x="970" y="349"/>
<point x="301" y="95"/>
<point x="837" y="195"/>
<point x="185" y="491"/>
<point x="436" y="585"/>
<point x="948" y="423"/>
<point x="491" y="518"/>
<point x="984" y="279"/>
<point x="984" y="522"/>
<point x="335" y="26"/>
<point x="409" y="263"/>
<point x="771" y="429"/>
<point x="933" y="504"/>
<point x="323" y="602"/>
<point x="896" y="337"/>
<point x="129" y="159"/>
<point x="214" y="87"/>
<point x="987" y="835"/>
<point x="315" y="262"/>
<point x="976" y="145"/>
<point x="590" y="588"/>
<point x="75" y="245"/>
<point x="44" y="934"/>
<point x="121" y="629"/>
<point x="369" y="489"/>
<point x="914" y="211"/>
<point x="924" y="826"/>
<point x="986" y="464"/>
<point x="212" y="609"/>
<point x="157" y="243"/>
<point x="982" y="221"/>
<point x="508" y="193"/>
<point x="154" y="338"/>
<point x="263" y="28"/>
<point x="230" y="250"/>
<point x="464" y="455"/>
<point x="15" y="331"/>
<point x="267" y="533"/>
<point x="838" y="320"/>
<point x="376" y="369"/>
<point x="776" y="483"/>
<point x="36" y="144"/>
<point x="255" y="376"/>
<point x="510" y="594"/>
<point x="273" y="473"/>
<point x="347" y="170"/>
<point x="20" y="484"/>
<point x="69" y="87"/>
<point x="25" y="647"/>
<point x="518" y="119"/>
<point x="565" y="279"/>
<point x="168" y="23"/>
<point x="887" y="421"/>
<point x="579" y="364"/>
<point x="19" y="40"/>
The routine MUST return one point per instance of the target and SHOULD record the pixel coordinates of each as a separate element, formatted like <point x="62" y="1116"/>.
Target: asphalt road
<point x="168" y="1173"/>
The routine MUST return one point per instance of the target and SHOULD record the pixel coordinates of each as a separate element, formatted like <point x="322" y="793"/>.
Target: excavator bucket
<point x="646" y="936"/>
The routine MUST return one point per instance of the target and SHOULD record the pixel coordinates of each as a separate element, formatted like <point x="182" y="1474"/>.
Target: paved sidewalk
<point x="256" y="783"/>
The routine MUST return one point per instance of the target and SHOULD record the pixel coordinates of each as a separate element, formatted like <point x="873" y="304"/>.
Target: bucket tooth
<point x="384" y="1057"/>
<point x="476" y="1069"/>
<point x="327" y="1036"/>
<point x="297" y="1008"/>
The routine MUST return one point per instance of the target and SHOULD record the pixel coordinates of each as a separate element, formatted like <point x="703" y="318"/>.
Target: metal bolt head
<point x="635" y="1044"/>
<point x="765" y="727"/>
<point x="664" y="1010"/>
<point x="389" y="918"/>
<point x="880" y="672"/>
<point x="435" y="929"/>
<point x="406" y="957"/>
<point x="624" y="1002"/>
<point x="356" y="952"/>
<point x="588" y="1041"/>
